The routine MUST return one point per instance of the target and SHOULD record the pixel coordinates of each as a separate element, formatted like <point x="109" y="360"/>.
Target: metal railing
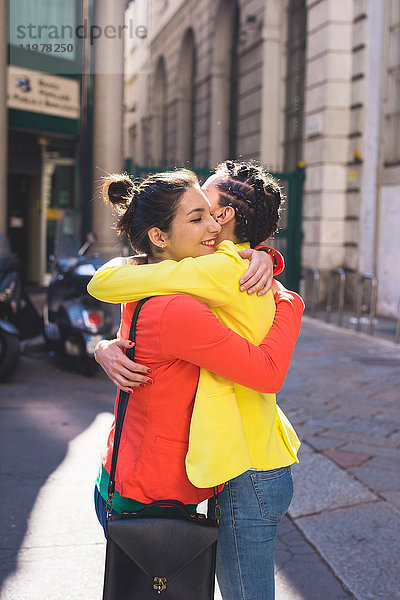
<point x="366" y="302"/>
<point x="312" y="280"/>
<point x="373" y="287"/>
<point x="336" y="273"/>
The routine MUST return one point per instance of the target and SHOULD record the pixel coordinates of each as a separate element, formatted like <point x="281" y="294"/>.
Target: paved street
<point x="342" y="394"/>
<point x="341" y="538"/>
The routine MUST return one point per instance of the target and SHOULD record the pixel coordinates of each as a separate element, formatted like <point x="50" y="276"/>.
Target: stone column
<point x="159" y="114"/>
<point x="220" y="83"/>
<point x="219" y="131"/>
<point x="273" y="89"/>
<point x="368" y="246"/>
<point x="107" y="114"/>
<point x="326" y="131"/>
<point x="185" y="99"/>
<point x="3" y="114"/>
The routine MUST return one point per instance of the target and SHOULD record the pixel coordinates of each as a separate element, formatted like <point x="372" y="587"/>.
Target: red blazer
<point x="175" y="336"/>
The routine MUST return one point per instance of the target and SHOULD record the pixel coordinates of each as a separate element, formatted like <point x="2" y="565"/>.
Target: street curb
<point x="352" y="526"/>
<point x="352" y="332"/>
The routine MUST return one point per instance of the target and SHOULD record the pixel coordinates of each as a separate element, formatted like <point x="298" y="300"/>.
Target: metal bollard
<point x="372" y="298"/>
<point x="397" y="336"/>
<point x="342" y="280"/>
<point x="313" y="274"/>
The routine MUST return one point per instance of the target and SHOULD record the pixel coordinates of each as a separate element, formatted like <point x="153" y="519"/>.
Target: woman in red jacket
<point x="168" y="217"/>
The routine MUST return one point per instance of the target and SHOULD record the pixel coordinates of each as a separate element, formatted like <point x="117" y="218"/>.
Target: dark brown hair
<point x="254" y="195"/>
<point x="153" y="203"/>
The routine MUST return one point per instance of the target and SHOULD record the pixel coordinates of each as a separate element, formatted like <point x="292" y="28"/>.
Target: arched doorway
<point x="186" y="99"/>
<point x="159" y="114"/>
<point x="224" y="78"/>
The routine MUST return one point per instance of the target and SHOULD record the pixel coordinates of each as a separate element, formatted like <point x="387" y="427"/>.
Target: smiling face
<point x="194" y="231"/>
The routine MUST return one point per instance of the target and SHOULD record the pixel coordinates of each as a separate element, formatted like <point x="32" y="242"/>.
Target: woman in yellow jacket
<point x="237" y="435"/>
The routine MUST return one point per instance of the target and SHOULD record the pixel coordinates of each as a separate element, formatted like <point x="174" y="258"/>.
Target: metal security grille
<point x="289" y="237"/>
<point x="295" y="68"/>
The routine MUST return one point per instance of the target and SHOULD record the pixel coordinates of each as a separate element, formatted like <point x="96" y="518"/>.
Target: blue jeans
<point x="252" y="506"/>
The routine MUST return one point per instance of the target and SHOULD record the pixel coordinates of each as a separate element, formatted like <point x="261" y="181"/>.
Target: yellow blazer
<point x="233" y="428"/>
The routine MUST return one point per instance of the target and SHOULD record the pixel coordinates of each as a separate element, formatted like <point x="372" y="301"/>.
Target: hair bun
<point x="118" y="190"/>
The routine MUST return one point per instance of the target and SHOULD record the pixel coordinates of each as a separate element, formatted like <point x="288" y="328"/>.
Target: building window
<point x="296" y="49"/>
<point x="224" y="82"/>
<point x="392" y="96"/>
<point x="233" y="108"/>
<point x="44" y="27"/>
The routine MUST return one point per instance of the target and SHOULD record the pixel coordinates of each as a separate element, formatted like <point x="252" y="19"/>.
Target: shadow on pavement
<point x="300" y="572"/>
<point x="42" y="410"/>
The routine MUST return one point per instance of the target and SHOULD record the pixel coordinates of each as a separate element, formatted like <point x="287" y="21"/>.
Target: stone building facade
<point x="286" y="82"/>
<point x="202" y="93"/>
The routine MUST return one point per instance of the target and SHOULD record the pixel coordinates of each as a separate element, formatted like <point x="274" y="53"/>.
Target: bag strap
<point x="123" y="399"/>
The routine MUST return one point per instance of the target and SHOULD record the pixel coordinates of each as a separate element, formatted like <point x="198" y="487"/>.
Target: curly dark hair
<point x="254" y="195"/>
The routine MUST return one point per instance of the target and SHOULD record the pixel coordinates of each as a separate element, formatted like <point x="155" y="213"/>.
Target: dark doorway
<point x="24" y="221"/>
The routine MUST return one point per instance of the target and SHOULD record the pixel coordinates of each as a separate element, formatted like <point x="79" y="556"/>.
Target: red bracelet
<point x="277" y="258"/>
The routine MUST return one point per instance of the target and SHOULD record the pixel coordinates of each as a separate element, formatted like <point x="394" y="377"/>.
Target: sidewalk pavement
<point x="342" y="394"/>
<point x="340" y="540"/>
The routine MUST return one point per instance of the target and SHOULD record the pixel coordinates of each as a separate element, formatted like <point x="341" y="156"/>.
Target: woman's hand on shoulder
<point x="278" y="287"/>
<point x="258" y="277"/>
<point x="123" y="372"/>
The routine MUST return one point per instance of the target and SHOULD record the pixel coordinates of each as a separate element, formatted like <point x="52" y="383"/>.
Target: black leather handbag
<point x="151" y="555"/>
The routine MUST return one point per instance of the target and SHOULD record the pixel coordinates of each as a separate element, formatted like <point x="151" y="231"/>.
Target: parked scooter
<point x="19" y="319"/>
<point x="74" y="322"/>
